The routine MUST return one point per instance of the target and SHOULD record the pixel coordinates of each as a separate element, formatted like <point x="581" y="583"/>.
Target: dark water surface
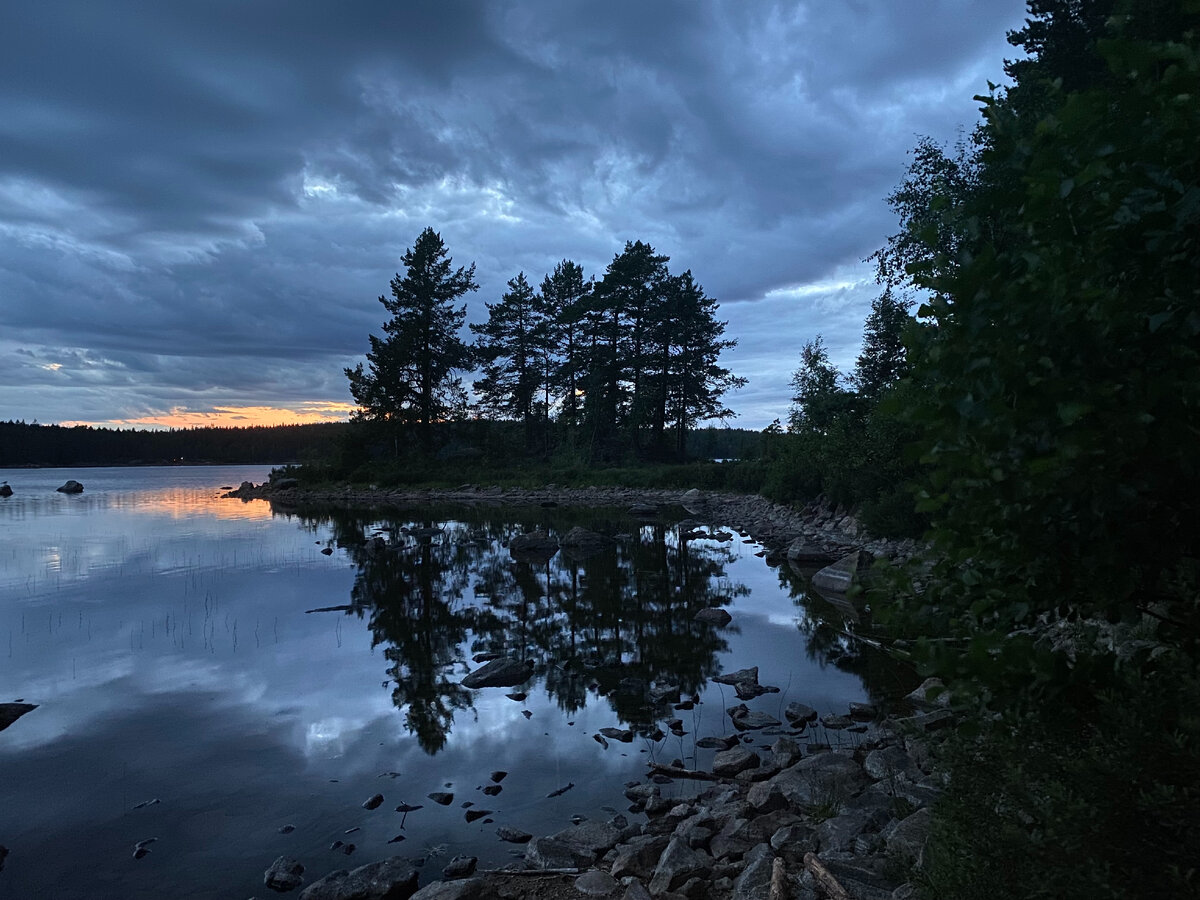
<point x="163" y="633"/>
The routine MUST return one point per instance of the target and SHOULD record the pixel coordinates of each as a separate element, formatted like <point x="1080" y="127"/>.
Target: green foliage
<point x="1051" y="804"/>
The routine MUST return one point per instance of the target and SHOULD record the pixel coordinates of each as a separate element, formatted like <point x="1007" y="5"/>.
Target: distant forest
<point x="24" y="444"/>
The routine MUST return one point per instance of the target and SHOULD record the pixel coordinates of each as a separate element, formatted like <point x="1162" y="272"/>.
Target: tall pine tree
<point x="410" y="378"/>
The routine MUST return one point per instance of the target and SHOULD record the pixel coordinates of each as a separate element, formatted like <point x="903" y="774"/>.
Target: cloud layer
<point x="201" y="202"/>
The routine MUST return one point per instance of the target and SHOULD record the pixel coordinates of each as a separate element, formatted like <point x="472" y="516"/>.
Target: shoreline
<point x="777" y="822"/>
<point x="816" y="534"/>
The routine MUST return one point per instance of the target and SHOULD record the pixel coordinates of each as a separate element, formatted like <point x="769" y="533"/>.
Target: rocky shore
<point x="795" y="818"/>
<point x="813" y="535"/>
<point x="796" y="821"/>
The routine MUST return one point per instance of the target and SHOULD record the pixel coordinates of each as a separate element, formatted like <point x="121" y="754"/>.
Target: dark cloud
<point x="200" y="202"/>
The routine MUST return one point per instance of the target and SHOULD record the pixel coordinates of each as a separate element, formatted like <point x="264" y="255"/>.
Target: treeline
<point x="1046" y="424"/>
<point x="25" y="444"/>
<point x="619" y="369"/>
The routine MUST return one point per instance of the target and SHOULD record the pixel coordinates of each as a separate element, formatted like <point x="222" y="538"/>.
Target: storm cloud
<point x="201" y="202"/>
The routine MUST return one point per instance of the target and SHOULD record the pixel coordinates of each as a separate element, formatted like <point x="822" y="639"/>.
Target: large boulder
<point x="841" y="575"/>
<point x="678" y="863"/>
<point x="5" y="490"/>
<point x="804" y="552"/>
<point x="502" y="672"/>
<point x="533" y="543"/>
<point x="71" y="487"/>
<point x="390" y="879"/>
<point x="285" y="874"/>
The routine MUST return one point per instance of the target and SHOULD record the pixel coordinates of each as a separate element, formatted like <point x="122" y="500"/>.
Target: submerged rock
<point x="71" y="487"/>
<point x="390" y="878"/>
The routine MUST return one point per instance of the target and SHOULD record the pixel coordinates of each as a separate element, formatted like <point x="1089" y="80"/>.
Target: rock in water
<point x="285" y="874"/>
<point x="715" y="616"/>
<point x="5" y="490"/>
<point x="442" y="798"/>
<point x="10" y="712"/>
<point x="500" y="673"/>
<point x="373" y="802"/>
<point x="71" y="487"/>
<point x="513" y="835"/>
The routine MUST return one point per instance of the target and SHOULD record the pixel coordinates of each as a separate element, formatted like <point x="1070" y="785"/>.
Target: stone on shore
<point x="390" y="879"/>
<point x="283" y="875"/>
<point x="841" y="575"/>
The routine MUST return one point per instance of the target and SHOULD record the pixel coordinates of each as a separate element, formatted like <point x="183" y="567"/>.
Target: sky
<point x="202" y="200"/>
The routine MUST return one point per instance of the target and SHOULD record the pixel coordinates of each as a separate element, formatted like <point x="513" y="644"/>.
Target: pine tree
<point x="410" y="377"/>
<point x="513" y="346"/>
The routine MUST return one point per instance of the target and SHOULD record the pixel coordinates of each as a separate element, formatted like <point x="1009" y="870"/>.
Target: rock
<point x="624" y="735"/>
<point x="498" y="776"/>
<point x="591" y="838"/>
<point x="10" y="712"/>
<point x="460" y="867"/>
<point x="668" y="693"/>
<point x="906" y="839"/>
<point x="285" y="874"/>
<point x="734" y="678"/>
<point x="767" y="796"/>
<point x="638" y="856"/>
<point x="442" y="798"/>
<point x="492" y="790"/>
<point x="581" y="539"/>
<point x="862" y="712"/>
<point x="930" y="721"/>
<point x="715" y="616"/>
<point x="931" y="693"/>
<point x="755" y="881"/>
<point x="718" y="743"/>
<point x="643" y="511"/>
<point x="785" y="752"/>
<point x="373" y="802"/>
<point x="889" y="763"/>
<point x="283" y="484"/>
<point x="839" y="576"/>
<point x="746" y="690"/>
<point x="826" y="779"/>
<point x="534" y="543"/>
<point x="549" y="853"/>
<point x="474" y="815"/>
<point x="467" y="889"/>
<point x="839" y="832"/>
<point x="71" y="487"/>
<point x="597" y="884"/>
<point x="836" y="722"/>
<point x="500" y="673"/>
<point x="5" y="490"/>
<point x="746" y="720"/>
<point x="804" y="552"/>
<point x="513" y="835"/>
<point x="729" y="762"/>
<point x="798" y="712"/>
<point x="635" y="890"/>
<point x="678" y="863"/>
<point x="390" y="879"/>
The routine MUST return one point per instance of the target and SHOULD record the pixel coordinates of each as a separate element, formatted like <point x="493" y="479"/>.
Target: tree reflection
<point x="610" y="623"/>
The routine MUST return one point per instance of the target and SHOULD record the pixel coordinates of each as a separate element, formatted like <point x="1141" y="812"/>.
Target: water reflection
<point x="610" y="623"/>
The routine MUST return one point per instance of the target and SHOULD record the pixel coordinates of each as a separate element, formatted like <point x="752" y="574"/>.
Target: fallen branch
<point x="675" y="772"/>
<point x="527" y="873"/>
<point x="824" y="877"/>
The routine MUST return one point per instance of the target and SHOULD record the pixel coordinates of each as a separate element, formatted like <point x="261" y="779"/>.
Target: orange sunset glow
<point x="232" y="416"/>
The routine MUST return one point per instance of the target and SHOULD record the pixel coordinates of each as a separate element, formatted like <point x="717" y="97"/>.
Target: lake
<point x="207" y="677"/>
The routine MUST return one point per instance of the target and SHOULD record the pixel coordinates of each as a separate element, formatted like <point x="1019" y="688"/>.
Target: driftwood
<point x="531" y="873"/>
<point x="675" y="772"/>
<point x="825" y="878"/>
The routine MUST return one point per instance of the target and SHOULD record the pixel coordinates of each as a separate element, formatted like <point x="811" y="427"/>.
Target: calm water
<point x="185" y="693"/>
